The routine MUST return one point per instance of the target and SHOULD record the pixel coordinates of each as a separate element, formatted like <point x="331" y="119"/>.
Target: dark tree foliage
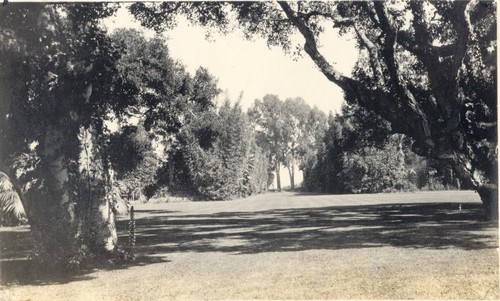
<point x="128" y="147"/>
<point x="57" y="65"/>
<point x="216" y="157"/>
<point x="134" y="159"/>
<point x="154" y="87"/>
<point x="165" y="99"/>
<point x="320" y="174"/>
<point x="358" y="154"/>
<point x="62" y="80"/>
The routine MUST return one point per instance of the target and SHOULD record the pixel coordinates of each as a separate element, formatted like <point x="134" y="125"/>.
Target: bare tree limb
<point x="380" y="100"/>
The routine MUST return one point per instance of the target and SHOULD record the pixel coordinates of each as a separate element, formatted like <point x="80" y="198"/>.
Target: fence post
<point x="131" y="232"/>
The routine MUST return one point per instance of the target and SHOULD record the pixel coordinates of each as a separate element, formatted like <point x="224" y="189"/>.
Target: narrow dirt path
<point x="295" y="246"/>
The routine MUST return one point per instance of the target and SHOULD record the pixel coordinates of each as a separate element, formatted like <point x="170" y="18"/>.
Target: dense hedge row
<point x="217" y="157"/>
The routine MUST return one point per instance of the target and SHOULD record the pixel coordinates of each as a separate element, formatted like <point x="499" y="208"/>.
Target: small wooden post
<point x="131" y="231"/>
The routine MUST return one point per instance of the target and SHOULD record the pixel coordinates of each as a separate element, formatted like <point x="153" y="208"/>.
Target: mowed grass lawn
<point x="426" y="245"/>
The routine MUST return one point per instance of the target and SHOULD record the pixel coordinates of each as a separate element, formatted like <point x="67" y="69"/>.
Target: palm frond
<point x="5" y="184"/>
<point x="10" y="204"/>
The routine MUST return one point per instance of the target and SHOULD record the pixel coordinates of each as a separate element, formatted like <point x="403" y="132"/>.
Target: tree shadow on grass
<point x="16" y="246"/>
<point x="160" y="233"/>
<point x="426" y="226"/>
<point x="24" y="272"/>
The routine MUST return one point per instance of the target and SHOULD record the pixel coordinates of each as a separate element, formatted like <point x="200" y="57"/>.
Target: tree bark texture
<point x="70" y="210"/>
<point x="71" y="214"/>
<point x="96" y="196"/>
<point x="50" y="210"/>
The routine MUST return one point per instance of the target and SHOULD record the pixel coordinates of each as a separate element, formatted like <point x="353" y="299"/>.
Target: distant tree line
<point x="359" y="154"/>
<point x="288" y="130"/>
<point x="224" y="153"/>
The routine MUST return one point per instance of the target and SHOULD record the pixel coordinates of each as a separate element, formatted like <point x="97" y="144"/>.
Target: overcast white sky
<point x="252" y="67"/>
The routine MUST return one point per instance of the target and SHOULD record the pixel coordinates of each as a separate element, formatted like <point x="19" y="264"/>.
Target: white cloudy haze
<point x="252" y="67"/>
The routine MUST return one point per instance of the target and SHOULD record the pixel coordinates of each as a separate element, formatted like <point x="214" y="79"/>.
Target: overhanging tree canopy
<point x="428" y="67"/>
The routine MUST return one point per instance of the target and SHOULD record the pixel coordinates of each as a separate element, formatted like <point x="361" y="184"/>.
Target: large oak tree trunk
<point x="41" y="108"/>
<point x="71" y="214"/>
<point x="70" y="208"/>
<point x="50" y="209"/>
<point x="486" y="186"/>
<point x="489" y="197"/>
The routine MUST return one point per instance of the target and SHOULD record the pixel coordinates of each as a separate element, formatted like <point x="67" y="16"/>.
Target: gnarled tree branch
<point x="374" y="58"/>
<point x="407" y="99"/>
<point x="311" y="49"/>
<point x="379" y="100"/>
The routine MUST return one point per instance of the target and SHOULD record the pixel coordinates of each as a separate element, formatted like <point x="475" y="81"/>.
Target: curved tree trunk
<point x="472" y="179"/>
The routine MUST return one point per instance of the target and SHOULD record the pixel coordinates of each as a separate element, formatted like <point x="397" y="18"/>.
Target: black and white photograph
<point x="249" y="150"/>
